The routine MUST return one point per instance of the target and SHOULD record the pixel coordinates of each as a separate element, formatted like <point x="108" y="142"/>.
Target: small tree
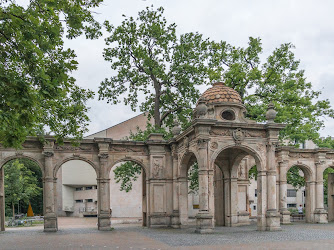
<point x="21" y="184"/>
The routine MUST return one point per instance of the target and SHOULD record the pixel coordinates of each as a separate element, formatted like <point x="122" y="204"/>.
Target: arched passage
<point x="188" y="190"/>
<point x="233" y="208"/>
<point x="22" y="176"/>
<point x="76" y="192"/>
<point x="128" y="191"/>
<point x="300" y="190"/>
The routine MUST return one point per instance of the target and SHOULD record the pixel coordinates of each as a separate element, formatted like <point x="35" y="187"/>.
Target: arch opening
<point x="128" y="192"/>
<point x="328" y="183"/>
<point x="298" y="196"/>
<point x="76" y="193"/>
<point x="232" y="195"/>
<point x="21" y="193"/>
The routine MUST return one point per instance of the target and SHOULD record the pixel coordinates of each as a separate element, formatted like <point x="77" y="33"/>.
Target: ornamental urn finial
<point x="271" y="113"/>
<point x="201" y="108"/>
<point x="176" y="128"/>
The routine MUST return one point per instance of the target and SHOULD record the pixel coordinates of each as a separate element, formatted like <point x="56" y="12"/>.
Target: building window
<point x="254" y="207"/>
<point x="78" y="201"/>
<point x="292" y="205"/>
<point x="89" y="188"/>
<point x="89" y="200"/>
<point x="292" y="193"/>
<point x="255" y="193"/>
<point x="79" y="189"/>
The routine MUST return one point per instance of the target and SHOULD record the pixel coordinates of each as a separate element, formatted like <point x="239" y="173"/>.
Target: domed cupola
<point x="223" y="104"/>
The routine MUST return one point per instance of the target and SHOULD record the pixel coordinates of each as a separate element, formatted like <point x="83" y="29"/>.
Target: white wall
<point x="125" y="204"/>
<point x="77" y="172"/>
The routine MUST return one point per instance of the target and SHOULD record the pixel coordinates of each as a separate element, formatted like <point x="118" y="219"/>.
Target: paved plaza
<point x="76" y="233"/>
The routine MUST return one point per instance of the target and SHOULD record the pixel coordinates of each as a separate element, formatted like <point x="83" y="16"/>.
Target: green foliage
<point x="253" y="173"/>
<point x="193" y="178"/>
<point x="23" y="184"/>
<point x="279" y="80"/>
<point x="294" y="178"/>
<point x="127" y="173"/>
<point x="151" y="59"/>
<point x="36" y="87"/>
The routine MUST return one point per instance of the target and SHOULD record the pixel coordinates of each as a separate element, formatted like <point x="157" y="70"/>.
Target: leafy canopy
<point x="36" y="89"/>
<point x="150" y="59"/>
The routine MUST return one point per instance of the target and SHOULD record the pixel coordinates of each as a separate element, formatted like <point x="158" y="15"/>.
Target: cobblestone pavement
<point x="77" y="233"/>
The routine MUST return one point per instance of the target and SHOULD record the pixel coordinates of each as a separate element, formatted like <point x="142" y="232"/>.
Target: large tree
<point x="37" y="91"/>
<point x="160" y="72"/>
<point x="151" y="60"/>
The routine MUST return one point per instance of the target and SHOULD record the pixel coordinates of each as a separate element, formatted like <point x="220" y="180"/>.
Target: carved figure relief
<point x="214" y="145"/>
<point x="158" y="167"/>
<point x="242" y="170"/>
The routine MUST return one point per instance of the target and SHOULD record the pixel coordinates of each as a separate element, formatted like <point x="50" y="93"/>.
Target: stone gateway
<point x="219" y="138"/>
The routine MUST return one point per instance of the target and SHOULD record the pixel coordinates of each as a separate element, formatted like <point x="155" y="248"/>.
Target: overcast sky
<point x="309" y="25"/>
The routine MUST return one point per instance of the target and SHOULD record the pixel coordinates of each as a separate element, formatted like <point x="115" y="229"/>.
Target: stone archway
<point x="309" y="190"/>
<point x="233" y="209"/>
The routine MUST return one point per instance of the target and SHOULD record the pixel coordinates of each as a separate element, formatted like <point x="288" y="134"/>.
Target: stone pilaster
<point x="2" y="200"/>
<point x="261" y="199"/>
<point x="175" y="218"/>
<point x="283" y="208"/>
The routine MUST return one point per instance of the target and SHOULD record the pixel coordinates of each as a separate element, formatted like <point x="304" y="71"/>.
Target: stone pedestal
<point x="204" y="223"/>
<point x="243" y="218"/>
<point x="159" y="220"/>
<point x="273" y="220"/>
<point x="285" y="217"/>
<point x="50" y="222"/>
<point x="104" y="221"/>
<point x="320" y="216"/>
<point x="175" y="219"/>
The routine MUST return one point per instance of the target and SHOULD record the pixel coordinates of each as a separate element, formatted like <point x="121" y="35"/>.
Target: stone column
<point x="176" y="214"/>
<point x="272" y="215"/>
<point x="261" y="200"/>
<point x="310" y="201"/>
<point x="183" y="200"/>
<point x="320" y="215"/>
<point x="50" y="217"/>
<point x="204" y="218"/>
<point x="2" y="199"/>
<point x="234" y="201"/>
<point x="103" y="185"/>
<point x="285" y="213"/>
<point x="227" y="201"/>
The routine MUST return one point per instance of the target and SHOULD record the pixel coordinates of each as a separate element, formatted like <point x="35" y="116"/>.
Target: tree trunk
<point x="157" y="87"/>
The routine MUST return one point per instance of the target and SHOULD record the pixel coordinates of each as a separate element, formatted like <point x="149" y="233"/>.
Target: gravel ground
<point x="75" y="233"/>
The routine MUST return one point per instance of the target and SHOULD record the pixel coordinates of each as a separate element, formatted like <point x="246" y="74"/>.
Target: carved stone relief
<point x="158" y="167"/>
